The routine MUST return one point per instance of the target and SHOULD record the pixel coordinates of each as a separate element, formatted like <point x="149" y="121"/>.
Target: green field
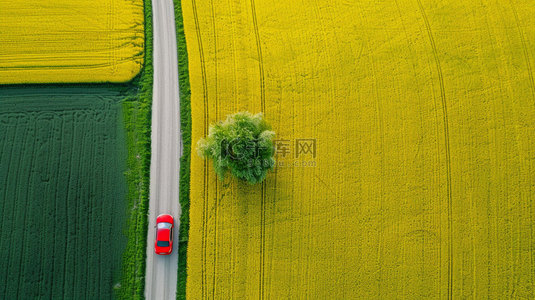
<point x="62" y="192"/>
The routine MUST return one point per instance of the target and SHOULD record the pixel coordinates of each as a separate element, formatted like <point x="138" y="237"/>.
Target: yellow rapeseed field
<point x="70" y="41"/>
<point x="422" y="117"/>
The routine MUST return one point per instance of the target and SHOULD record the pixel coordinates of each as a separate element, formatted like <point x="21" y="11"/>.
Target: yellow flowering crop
<point x="406" y="158"/>
<point x="70" y="41"/>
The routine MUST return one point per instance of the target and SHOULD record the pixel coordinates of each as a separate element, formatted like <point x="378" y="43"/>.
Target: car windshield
<point x="164" y="225"/>
<point x="162" y="244"/>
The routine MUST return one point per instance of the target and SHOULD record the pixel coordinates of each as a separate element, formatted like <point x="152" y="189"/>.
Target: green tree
<point x="242" y="144"/>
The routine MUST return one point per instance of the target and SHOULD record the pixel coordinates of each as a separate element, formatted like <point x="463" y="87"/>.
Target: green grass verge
<point x="185" y="123"/>
<point x="137" y="119"/>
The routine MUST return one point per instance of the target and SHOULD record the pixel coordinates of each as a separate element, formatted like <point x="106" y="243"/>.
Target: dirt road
<point x="161" y="271"/>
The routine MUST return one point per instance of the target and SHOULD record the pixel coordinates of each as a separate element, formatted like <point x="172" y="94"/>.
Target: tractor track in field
<point x="263" y="191"/>
<point x="205" y="164"/>
<point x="217" y="189"/>
<point x="447" y="145"/>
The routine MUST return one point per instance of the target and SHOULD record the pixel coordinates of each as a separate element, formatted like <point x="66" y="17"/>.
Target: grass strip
<point x="185" y="123"/>
<point x="137" y="119"/>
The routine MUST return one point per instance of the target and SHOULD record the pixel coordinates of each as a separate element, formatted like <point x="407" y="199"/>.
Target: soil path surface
<point x="161" y="273"/>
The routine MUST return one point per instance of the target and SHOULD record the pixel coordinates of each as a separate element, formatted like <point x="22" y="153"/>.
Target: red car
<point x="164" y="235"/>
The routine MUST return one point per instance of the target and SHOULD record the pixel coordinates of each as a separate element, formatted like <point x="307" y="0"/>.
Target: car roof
<point x="163" y="234"/>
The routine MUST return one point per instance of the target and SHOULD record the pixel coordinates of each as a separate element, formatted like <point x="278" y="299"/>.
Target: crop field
<point x="70" y="41"/>
<point x="406" y="149"/>
<point x="62" y="192"/>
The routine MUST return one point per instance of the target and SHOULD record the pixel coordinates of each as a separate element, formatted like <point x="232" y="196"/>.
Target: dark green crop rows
<point x="62" y="192"/>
